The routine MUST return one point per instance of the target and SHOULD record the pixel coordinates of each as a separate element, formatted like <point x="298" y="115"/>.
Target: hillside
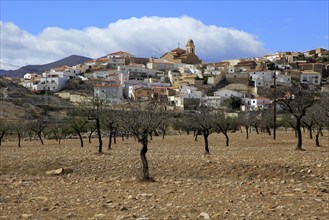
<point x="18" y="101"/>
<point x="69" y="61"/>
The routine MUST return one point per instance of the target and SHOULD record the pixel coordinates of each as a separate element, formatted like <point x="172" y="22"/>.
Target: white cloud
<point x="144" y="37"/>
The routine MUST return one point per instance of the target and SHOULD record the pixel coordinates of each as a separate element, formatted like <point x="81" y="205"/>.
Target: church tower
<point x="190" y="48"/>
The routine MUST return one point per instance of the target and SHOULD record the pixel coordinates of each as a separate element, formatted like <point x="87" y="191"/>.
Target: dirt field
<point x="257" y="178"/>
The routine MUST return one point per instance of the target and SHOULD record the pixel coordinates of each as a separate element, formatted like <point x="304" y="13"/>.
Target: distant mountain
<point x="2" y="71"/>
<point x="69" y="61"/>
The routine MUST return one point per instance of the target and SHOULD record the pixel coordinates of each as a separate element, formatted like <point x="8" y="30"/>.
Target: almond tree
<point x="266" y="120"/>
<point x="4" y="128"/>
<point x="296" y="102"/>
<point x="38" y="126"/>
<point x="95" y="114"/>
<point x="318" y="115"/>
<point x="78" y="124"/>
<point x="224" y="124"/>
<point x="111" y="123"/>
<point x="204" y="124"/>
<point x="140" y="119"/>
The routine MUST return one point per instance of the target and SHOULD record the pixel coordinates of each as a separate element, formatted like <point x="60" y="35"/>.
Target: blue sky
<point x="256" y="26"/>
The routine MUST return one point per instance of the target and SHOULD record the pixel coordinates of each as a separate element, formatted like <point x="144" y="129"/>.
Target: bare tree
<point x="111" y="122"/>
<point x="204" y="124"/>
<point x="266" y="120"/>
<point x="78" y="124"/>
<point x="4" y="128"/>
<point x="140" y="119"/>
<point x="224" y="124"/>
<point x="317" y="114"/>
<point x="244" y="119"/>
<point x="255" y="120"/>
<point x="95" y="114"/>
<point x="91" y="129"/>
<point x="38" y="126"/>
<point x="296" y="102"/>
<point x="309" y="122"/>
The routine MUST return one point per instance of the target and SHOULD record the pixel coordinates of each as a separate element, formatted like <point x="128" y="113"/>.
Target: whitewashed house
<point x="109" y="92"/>
<point x="31" y="80"/>
<point x="52" y="82"/>
<point x="255" y="104"/>
<point x="191" y="92"/>
<point x="120" y="54"/>
<point x="227" y="93"/>
<point x="213" y="101"/>
<point x="310" y="77"/>
<point x="160" y="65"/>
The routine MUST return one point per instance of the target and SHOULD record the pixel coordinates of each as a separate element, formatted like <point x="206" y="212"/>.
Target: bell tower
<point x="190" y="48"/>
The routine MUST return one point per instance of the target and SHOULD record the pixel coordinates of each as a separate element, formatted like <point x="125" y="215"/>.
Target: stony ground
<point x="257" y="178"/>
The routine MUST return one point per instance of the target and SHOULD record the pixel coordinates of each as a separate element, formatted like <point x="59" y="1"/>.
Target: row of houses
<point x="179" y="77"/>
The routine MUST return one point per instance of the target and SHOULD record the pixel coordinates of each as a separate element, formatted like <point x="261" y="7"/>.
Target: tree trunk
<point x="227" y="139"/>
<point x="19" y="138"/>
<point x="100" y="143"/>
<point x="256" y="129"/>
<point x="299" y="135"/>
<point x="146" y="175"/>
<point x="206" y="147"/>
<point x="39" y="135"/>
<point x="110" y="141"/>
<point x="317" y="143"/>
<point x="247" y="131"/>
<point x="80" y="137"/>
<point x="268" y="130"/>
<point x="90" y="134"/>
<point x="163" y="133"/>
<point x="1" y="136"/>
<point x="29" y="133"/>
<point x="310" y="130"/>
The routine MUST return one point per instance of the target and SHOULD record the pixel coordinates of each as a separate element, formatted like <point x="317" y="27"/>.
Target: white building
<point x="48" y="81"/>
<point x="227" y="93"/>
<point x="119" y="54"/>
<point x="191" y="92"/>
<point x="310" y="77"/>
<point x="160" y="65"/>
<point x="213" y="101"/>
<point x="110" y="93"/>
<point x="255" y="104"/>
<point x="52" y="82"/>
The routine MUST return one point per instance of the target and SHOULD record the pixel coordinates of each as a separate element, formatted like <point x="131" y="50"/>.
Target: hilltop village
<point x="181" y="80"/>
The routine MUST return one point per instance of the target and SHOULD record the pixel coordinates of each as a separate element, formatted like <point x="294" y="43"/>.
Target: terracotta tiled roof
<point x="61" y="68"/>
<point x="310" y="72"/>
<point x="103" y="59"/>
<point x="119" y="53"/>
<point x="301" y="64"/>
<point x="90" y="61"/>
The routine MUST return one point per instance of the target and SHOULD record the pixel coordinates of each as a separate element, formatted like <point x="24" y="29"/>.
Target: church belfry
<point x="190" y="48"/>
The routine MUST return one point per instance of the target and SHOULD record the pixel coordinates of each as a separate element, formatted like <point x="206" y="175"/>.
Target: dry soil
<point x="258" y="178"/>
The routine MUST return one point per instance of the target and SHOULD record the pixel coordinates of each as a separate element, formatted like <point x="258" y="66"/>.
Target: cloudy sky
<point x="39" y="32"/>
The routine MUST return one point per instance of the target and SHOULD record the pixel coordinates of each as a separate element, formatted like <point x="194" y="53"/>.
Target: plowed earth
<point x="258" y="178"/>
